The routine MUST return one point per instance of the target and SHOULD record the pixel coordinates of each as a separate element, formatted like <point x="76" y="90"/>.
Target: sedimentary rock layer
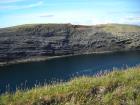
<point x="25" y="41"/>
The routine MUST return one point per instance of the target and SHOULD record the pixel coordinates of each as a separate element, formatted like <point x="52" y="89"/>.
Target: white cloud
<point x="132" y="18"/>
<point x="80" y="17"/>
<point x="74" y="17"/>
<point x="34" y="5"/>
<point x="13" y="7"/>
<point x="46" y="16"/>
<point x="10" y="1"/>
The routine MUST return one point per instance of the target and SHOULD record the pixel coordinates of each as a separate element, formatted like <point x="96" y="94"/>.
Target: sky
<point x="85" y="12"/>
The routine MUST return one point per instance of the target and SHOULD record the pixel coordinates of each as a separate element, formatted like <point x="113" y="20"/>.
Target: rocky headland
<point x="33" y="42"/>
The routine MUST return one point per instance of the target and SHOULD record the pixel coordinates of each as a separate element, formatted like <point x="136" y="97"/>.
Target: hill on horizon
<point x="35" y="40"/>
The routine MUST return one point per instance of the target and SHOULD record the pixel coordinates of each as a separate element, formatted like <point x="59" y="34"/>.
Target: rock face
<point x="25" y="41"/>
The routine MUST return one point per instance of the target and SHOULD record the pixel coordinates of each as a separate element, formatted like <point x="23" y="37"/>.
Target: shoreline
<point x="46" y="58"/>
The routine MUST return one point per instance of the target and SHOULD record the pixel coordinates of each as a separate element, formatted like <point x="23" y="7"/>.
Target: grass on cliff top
<point x="103" y="27"/>
<point x="119" y="28"/>
<point x="115" y="88"/>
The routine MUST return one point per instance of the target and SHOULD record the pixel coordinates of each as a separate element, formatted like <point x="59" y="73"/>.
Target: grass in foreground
<point x="115" y="88"/>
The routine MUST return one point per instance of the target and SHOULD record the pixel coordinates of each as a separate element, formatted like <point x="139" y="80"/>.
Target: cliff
<point x="49" y="40"/>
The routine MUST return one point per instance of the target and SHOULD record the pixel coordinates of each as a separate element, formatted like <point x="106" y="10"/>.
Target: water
<point x="28" y="74"/>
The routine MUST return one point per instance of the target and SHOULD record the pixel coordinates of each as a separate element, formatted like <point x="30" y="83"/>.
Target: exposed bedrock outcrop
<point x="25" y="41"/>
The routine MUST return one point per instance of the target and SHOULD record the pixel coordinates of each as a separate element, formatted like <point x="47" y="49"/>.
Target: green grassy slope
<point x="115" y="88"/>
<point x="119" y="28"/>
<point x="103" y="27"/>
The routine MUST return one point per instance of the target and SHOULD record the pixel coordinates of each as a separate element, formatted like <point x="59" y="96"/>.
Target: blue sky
<point x="86" y="12"/>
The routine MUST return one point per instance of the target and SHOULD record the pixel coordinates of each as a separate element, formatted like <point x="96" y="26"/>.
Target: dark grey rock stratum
<point x="25" y="41"/>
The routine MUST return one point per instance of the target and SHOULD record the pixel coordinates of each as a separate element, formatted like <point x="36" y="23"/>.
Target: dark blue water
<point x="28" y="74"/>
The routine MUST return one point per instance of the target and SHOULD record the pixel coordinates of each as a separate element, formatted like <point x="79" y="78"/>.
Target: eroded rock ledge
<point x="49" y="40"/>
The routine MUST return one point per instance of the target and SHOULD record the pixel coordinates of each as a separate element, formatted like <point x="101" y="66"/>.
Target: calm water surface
<point x="28" y="74"/>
